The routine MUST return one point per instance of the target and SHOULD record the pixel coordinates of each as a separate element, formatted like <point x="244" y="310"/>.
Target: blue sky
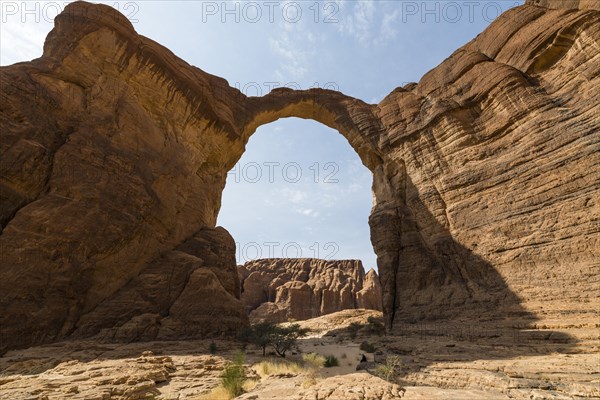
<point x="362" y="48"/>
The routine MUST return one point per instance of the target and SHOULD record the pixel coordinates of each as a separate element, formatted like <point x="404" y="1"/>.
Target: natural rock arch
<point x="352" y="118"/>
<point x="358" y="123"/>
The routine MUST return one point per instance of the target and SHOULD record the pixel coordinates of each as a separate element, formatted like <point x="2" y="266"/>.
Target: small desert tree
<point x="281" y="338"/>
<point x="259" y="335"/>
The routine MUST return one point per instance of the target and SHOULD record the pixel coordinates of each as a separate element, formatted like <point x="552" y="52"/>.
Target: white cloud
<point x="294" y="44"/>
<point x="388" y="31"/>
<point x="358" y="22"/>
<point x="309" y="212"/>
<point x="293" y="196"/>
<point x="310" y="230"/>
<point x="369" y="22"/>
<point x="328" y="200"/>
<point x="364" y="12"/>
<point x="292" y="66"/>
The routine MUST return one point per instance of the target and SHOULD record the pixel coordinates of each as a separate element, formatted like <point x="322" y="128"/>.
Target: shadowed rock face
<point x="280" y="289"/>
<point x="114" y="154"/>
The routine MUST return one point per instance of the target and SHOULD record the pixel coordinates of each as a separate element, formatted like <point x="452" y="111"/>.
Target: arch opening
<point x="289" y="198"/>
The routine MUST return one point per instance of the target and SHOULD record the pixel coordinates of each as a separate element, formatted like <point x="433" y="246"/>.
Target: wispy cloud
<point x="293" y="44"/>
<point x="309" y="212"/>
<point x="388" y="30"/>
<point x="358" y="21"/>
<point x="368" y="21"/>
<point x="287" y="195"/>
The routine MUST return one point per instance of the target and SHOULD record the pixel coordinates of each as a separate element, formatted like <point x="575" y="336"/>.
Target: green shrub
<point x="331" y="361"/>
<point x="367" y="347"/>
<point x="233" y="376"/>
<point x="390" y="370"/>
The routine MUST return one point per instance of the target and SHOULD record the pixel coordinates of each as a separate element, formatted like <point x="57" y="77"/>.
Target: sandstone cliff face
<point x="109" y="198"/>
<point x="494" y="176"/>
<point x="282" y="289"/>
<point x="114" y="154"/>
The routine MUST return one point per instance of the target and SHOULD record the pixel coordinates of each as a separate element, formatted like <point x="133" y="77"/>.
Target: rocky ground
<point x="436" y="364"/>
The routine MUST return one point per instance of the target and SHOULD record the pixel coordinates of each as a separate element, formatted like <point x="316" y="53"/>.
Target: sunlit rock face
<point x="566" y="4"/>
<point x="284" y="289"/>
<point x="114" y="154"/>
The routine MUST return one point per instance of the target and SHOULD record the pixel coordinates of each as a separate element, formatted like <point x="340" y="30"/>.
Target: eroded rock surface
<point x="434" y="365"/>
<point x="114" y="154"/>
<point x="86" y="370"/>
<point x="282" y="289"/>
<point x="488" y="203"/>
<point x="112" y="172"/>
<point x="358" y="386"/>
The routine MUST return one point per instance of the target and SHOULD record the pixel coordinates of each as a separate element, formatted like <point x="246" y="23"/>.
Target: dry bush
<point x="278" y="367"/>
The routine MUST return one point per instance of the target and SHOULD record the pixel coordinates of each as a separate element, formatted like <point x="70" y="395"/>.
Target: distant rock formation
<point x="282" y="289"/>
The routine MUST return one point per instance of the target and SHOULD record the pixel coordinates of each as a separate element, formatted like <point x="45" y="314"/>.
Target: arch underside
<point x="352" y="118"/>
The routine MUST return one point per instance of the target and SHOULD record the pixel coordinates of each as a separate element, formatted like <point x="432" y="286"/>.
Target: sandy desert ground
<point x="435" y="365"/>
